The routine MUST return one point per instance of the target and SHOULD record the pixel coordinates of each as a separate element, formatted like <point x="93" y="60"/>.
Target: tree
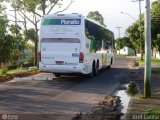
<point x="133" y="32"/>
<point x="30" y="34"/>
<point x="119" y="43"/>
<point x="17" y="36"/>
<point x="155" y="23"/>
<point x="3" y="24"/>
<point x="97" y="17"/>
<point x="158" y="43"/>
<point x="126" y="42"/>
<point x="101" y="33"/>
<point x="2" y="7"/>
<point x="6" y="40"/>
<point x="36" y="8"/>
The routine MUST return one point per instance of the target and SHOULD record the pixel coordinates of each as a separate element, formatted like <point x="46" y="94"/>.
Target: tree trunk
<point x="36" y="47"/>
<point x="0" y="64"/>
<point x="152" y="54"/>
<point x="36" y="44"/>
<point x="44" y="7"/>
<point x="135" y="53"/>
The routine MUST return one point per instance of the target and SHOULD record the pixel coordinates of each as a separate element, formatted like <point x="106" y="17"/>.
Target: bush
<point x="33" y="68"/>
<point x="27" y="64"/>
<point x="11" y="67"/>
<point x="3" y="69"/>
<point x="132" y="89"/>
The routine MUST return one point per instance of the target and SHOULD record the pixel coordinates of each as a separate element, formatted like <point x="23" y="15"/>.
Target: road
<point x="60" y="97"/>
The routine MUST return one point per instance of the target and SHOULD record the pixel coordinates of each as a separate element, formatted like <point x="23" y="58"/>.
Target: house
<point x="126" y="51"/>
<point x="156" y="53"/>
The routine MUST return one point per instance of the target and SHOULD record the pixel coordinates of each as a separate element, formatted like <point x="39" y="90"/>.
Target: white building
<point x="126" y="51"/>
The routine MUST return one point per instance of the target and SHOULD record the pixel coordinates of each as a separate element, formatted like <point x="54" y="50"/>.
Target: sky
<point x="111" y="12"/>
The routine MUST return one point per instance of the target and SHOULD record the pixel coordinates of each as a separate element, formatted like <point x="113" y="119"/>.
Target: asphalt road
<point x="60" y="98"/>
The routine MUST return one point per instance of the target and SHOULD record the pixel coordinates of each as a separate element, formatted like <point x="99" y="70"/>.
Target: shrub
<point x="27" y="64"/>
<point x="3" y="69"/>
<point x="11" y="67"/>
<point x="132" y="89"/>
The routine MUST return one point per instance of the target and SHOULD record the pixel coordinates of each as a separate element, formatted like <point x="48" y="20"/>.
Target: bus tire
<point x="110" y="64"/>
<point x="92" y="72"/>
<point x="96" y="69"/>
<point x="57" y="75"/>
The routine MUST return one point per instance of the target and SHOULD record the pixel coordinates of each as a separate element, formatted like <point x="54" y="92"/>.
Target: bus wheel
<point x="96" y="69"/>
<point x="92" y="72"/>
<point x="57" y="75"/>
<point x="110" y="64"/>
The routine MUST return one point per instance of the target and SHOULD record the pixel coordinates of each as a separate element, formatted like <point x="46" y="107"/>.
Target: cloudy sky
<point x="111" y="11"/>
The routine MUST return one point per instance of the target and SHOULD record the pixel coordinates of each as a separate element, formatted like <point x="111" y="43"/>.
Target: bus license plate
<point x="59" y="62"/>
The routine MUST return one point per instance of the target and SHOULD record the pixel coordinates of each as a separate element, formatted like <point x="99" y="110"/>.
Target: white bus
<point x="71" y="44"/>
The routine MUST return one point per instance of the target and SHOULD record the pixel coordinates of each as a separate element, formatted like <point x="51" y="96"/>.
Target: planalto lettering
<point x="62" y="22"/>
<point x="70" y="22"/>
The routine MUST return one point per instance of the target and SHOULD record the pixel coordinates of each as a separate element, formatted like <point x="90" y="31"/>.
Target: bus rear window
<point x="60" y="40"/>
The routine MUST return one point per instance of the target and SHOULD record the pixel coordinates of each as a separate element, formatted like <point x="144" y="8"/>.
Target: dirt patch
<point x="107" y="109"/>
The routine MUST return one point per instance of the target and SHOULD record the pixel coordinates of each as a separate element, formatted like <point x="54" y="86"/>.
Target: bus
<point x="72" y="44"/>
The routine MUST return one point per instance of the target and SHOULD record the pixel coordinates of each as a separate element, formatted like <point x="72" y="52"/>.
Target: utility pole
<point x="147" y="73"/>
<point x="140" y="24"/>
<point x="119" y="31"/>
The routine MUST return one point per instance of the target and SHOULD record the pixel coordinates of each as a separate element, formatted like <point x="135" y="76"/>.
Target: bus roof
<point x="75" y="15"/>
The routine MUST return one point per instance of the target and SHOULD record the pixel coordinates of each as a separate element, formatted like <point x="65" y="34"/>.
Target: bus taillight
<point x="39" y="56"/>
<point x="81" y="57"/>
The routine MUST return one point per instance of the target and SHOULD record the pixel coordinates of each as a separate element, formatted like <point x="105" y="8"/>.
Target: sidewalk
<point x="137" y="105"/>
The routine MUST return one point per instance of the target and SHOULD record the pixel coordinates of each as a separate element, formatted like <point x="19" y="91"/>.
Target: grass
<point x="154" y="61"/>
<point x="16" y="70"/>
<point x="141" y="95"/>
<point x="2" y="74"/>
<point x="153" y="111"/>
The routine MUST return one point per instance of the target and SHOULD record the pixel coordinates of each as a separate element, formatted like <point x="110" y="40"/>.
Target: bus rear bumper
<point x="63" y="68"/>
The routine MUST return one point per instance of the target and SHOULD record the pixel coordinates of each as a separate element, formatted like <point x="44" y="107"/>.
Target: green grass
<point x="153" y="61"/>
<point x="16" y="71"/>
<point x="141" y="95"/>
<point x="21" y="69"/>
<point x="153" y="111"/>
<point x="1" y="74"/>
